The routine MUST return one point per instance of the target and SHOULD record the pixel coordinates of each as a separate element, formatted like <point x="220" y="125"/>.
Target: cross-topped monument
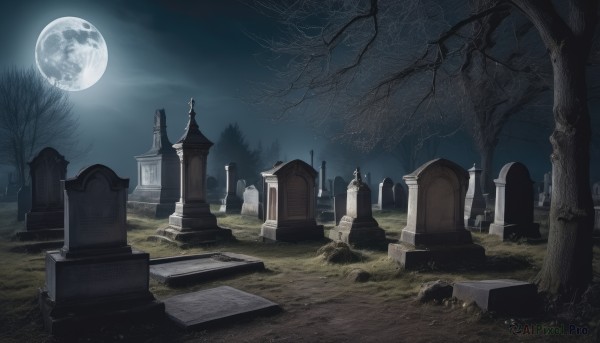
<point x="192" y="222"/>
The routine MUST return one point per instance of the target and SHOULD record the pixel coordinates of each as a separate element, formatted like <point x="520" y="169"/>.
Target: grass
<point x="22" y="274"/>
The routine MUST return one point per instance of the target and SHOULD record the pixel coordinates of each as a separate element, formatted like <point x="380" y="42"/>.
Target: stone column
<point x="474" y="200"/>
<point x="545" y="196"/>
<point x="232" y="203"/>
<point x="192" y="221"/>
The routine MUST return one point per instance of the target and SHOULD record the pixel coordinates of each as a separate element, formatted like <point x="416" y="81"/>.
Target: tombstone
<point x="158" y="175"/>
<point x="251" y="205"/>
<point x="399" y="196"/>
<point x="596" y="193"/>
<point x="339" y="186"/>
<point x="385" y="200"/>
<point x="290" y="203"/>
<point x="546" y="195"/>
<point x="231" y="203"/>
<point x="192" y="222"/>
<point x="474" y="200"/>
<point x="23" y="202"/>
<point x="514" y="203"/>
<point x="47" y="170"/>
<point x="358" y="227"/>
<point x="96" y="276"/>
<point x="240" y="188"/>
<point x="435" y="228"/>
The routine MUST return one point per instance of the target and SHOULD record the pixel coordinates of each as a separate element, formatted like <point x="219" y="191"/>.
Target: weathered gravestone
<point x="399" y="196"/>
<point x="385" y="199"/>
<point x="96" y="276"/>
<point x="290" y="203"/>
<point x="192" y="222"/>
<point x="474" y="201"/>
<point x="223" y="304"/>
<point x="240" y="188"/>
<point x="47" y="170"/>
<point x="251" y="205"/>
<point x="508" y="297"/>
<point x="231" y="203"/>
<point x="514" y="203"/>
<point x="158" y="175"/>
<point x="358" y="227"/>
<point x="340" y="188"/>
<point x="435" y="228"/>
<point x="546" y="195"/>
<point x="23" y="202"/>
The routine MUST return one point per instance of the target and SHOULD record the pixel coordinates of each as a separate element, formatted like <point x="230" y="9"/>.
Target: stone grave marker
<point x="474" y="201"/>
<point x="192" y="222"/>
<point x="358" y="227"/>
<point x="182" y="270"/>
<point x="385" y="200"/>
<point x="251" y="205"/>
<point x="158" y="175"/>
<point x="546" y="195"/>
<point x="46" y="217"/>
<point x="240" y="188"/>
<point x="339" y="185"/>
<point x="514" y="203"/>
<point x="399" y="196"/>
<point x="231" y="203"/>
<point x="96" y="276"/>
<point x="290" y="203"/>
<point x="435" y="228"/>
<point x="221" y="304"/>
<point x="508" y="297"/>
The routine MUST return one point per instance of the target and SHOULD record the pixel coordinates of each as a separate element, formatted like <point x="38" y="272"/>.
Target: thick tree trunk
<point x="487" y="171"/>
<point x="567" y="267"/>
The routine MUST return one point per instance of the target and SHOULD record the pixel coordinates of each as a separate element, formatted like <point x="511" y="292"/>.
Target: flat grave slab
<point x="210" y="306"/>
<point x="181" y="270"/>
<point x="503" y="296"/>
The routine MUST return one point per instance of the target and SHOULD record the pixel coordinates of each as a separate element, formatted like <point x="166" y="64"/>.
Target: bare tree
<point x="33" y="114"/>
<point x="367" y="52"/>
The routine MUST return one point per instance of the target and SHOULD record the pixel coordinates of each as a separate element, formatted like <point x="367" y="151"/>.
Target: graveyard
<point x="300" y="171"/>
<point x="315" y="296"/>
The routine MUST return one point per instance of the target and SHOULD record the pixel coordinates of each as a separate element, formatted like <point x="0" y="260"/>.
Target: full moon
<point x="71" y="53"/>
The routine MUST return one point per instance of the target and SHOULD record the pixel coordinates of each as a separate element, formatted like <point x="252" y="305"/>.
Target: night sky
<point x="161" y="53"/>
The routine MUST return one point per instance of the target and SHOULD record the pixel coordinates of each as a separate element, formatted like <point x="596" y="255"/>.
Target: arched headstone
<point x="435" y="230"/>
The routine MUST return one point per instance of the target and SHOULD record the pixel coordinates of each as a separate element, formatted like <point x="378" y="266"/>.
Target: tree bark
<point x="486" y="153"/>
<point x="567" y="267"/>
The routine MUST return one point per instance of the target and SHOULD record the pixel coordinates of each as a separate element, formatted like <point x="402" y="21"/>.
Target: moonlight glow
<point x="71" y="53"/>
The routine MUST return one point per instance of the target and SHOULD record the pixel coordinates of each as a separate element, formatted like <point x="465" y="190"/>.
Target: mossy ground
<point x="315" y="296"/>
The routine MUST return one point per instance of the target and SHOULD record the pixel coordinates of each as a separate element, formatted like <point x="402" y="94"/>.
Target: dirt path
<point x="315" y="312"/>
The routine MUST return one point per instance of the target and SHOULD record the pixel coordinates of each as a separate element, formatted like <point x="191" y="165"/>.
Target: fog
<point x="161" y="55"/>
